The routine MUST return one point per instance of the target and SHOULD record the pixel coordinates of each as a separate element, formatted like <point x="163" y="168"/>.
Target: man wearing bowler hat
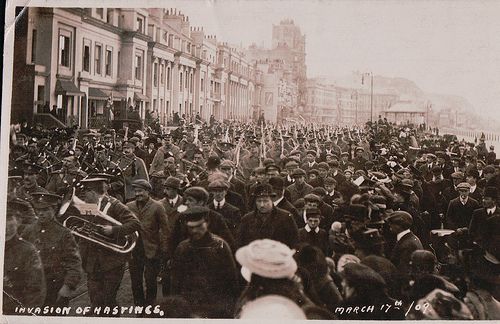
<point x="152" y="245"/>
<point x="104" y="267"/>
<point x="477" y="226"/>
<point x="58" y="250"/>
<point x="267" y="221"/>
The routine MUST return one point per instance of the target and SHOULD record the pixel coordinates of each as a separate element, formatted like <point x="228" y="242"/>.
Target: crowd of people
<point x="256" y="220"/>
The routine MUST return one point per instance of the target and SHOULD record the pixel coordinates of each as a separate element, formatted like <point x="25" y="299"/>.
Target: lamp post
<point x="371" y="92"/>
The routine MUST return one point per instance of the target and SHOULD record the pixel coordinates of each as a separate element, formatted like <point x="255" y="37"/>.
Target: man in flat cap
<point x="162" y="152"/>
<point x="460" y="209"/>
<point x="172" y="198"/>
<point x="299" y="188"/>
<point x="105" y="267"/>
<point x="23" y="276"/>
<point x="58" y="250"/>
<point x="231" y="214"/>
<point x="203" y="268"/>
<point x="400" y="223"/>
<point x="152" y="245"/>
<point x="133" y="168"/>
<point x="310" y="160"/>
<point x="267" y="221"/>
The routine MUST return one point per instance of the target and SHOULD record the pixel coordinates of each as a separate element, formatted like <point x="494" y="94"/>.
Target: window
<point x="202" y="86"/>
<point x="33" y="46"/>
<point x="109" y="61"/>
<point x="191" y="83"/>
<point x="162" y="74"/>
<point x="64" y="51"/>
<point x="99" y="12"/>
<point x="138" y="67"/>
<point x="168" y="78"/>
<point x="155" y="74"/>
<point x="86" y="57"/>
<point x="154" y="104"/>
<point x="170" y="40"/>
<point x="98" y="59"/>
<point x="180" y="82"/>
<point x="140" y="24"/>
<point x="161" y="105"/>
<point x="118" y="65"/>
<point x="187" y="81"/>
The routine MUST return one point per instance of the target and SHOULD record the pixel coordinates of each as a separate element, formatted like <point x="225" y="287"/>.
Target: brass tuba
<point x="86" y="221"/>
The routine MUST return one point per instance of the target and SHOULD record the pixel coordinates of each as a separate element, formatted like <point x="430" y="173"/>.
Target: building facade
<point x="89" y="66"/>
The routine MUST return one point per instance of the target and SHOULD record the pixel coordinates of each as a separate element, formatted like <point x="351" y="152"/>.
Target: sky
<point x="449" y="47"/>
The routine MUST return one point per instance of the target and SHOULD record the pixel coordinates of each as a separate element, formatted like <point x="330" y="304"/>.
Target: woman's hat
<point x="268" y="259"/>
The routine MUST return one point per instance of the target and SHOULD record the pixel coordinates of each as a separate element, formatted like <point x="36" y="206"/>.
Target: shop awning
<point x="97" y="94"/>
<point x="117" y="95"/>
<point x="67" y="88"/>
<point x="140" y="96"/>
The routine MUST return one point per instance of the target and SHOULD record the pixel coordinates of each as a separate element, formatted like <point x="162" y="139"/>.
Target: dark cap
<point x="362" y="277"/>
<point x="298" y="173"/>
<point x="312" y="198"/>
<point x="323" y="165"/>
<point x="263" y="190"/>
<point x="491" y="192"/>
<point x="277" y="182"/>
<point x="330" y="181"/>
<point x="30" y="168"/>
<point x="198" y="193"/>
<point x="172" y="182"/>
<point x="142" y="184"/>
<point x="271" y="167"/>
<point x="195" y="213"/>
<point x="213" y="162"/>
<point x="401" y="218"/>
<point x="44" y="199"/>
<point x="128" y="144"/>
<point x="357" y="211"/>
<point x="218" y="184"/>
<point x="313" y="212"/>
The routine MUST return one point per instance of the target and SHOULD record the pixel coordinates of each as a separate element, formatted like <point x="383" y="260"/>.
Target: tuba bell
<point x="86" y="221"/>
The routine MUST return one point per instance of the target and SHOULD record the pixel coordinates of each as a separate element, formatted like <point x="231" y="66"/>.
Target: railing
<point x="48" y="121"/>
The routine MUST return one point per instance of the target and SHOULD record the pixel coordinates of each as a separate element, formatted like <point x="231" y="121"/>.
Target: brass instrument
<point x="86" y="221"/>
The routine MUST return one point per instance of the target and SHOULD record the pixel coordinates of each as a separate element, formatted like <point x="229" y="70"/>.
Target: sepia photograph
<point x="257" y="160"/>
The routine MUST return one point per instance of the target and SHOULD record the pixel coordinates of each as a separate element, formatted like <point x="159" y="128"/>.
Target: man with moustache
<point x="152" y="246"/>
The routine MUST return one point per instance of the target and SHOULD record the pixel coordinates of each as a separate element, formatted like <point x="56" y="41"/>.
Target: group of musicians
<point x="175" y="207"/>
